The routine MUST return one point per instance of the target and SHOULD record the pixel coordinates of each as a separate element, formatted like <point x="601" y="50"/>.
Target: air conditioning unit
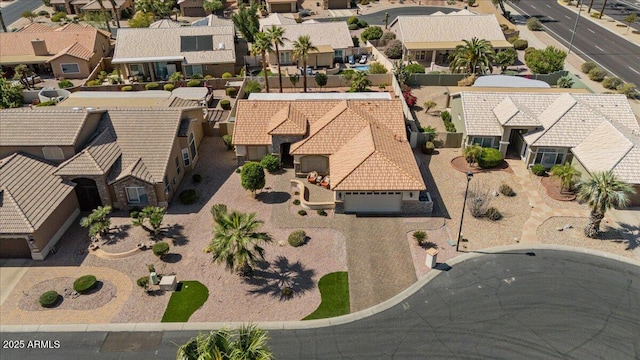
<point x="221" y="46"/>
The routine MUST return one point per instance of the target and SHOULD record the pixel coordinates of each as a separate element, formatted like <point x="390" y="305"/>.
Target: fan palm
<point x="262" y="45"/>
<point x="235" y="240"/>
<point x="476" y="56"/>
<point x="276" y="35"/>
<point x="116" y="12"/>
<point x="567" y="175"/>
<point x="214" y="346"/>
<point x="602" y="192"/>
<point x="104" y="14"/>
<point x="301" y="49"/>
<point x="472" y="153"/>
<point x="251" y="344"/>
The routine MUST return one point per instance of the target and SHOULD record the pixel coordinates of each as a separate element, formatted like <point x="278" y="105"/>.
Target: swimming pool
<point x="361" y="67"/>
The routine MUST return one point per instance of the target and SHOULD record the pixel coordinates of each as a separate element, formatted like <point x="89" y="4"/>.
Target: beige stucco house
<point x="193" y="8"/>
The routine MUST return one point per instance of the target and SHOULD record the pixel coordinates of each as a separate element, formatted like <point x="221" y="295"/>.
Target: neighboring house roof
<point x="180" y="44"/>
<point x="76" y="50"/>
<point x="509" y="81"/>
<point x="212" y="20"/>
<point x="165" y="24"/>
<point x="276" y="19"/>
<point x="95" y="159"/>
<point x="42" y="127"/>
<point x="95" y="5"/>
<point x="29" y="193"/>
<point x="333" y="34"/>
<point x="37" y="27"/>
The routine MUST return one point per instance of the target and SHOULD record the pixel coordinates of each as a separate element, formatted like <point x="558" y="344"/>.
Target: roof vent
<point x="89" y="109"/>
<point x="221" y="46"/>
<point x="76" y="108"/>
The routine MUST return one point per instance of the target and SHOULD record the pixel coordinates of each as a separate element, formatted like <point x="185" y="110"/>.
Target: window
<point x="548" y="157"/>
<point x="421" y="55"/>
<point x="337" y="54"/>
<point x="136" y="195"/>
<point x="192" y="146"/>
<point x="482" y="141"/>
<point x="167" y="186"/>
<point x="70" y="68"/>
<point x="285" y="57"/>
<point x="135" y="69"/>
<point x="52" y="153"/>
<point x="177" y="165"/>
<point x="185" y="157"/>
<point x="189" y="70"/>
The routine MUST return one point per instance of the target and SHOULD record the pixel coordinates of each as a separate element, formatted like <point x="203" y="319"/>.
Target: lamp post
<point x="464" y="205"/>
<point x="575" y="27"/>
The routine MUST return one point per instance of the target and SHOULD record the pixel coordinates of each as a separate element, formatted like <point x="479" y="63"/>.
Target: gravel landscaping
<point x="104" y="292"/>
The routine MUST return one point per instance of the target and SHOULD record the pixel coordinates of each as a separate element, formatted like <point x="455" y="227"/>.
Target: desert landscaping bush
<point x="194" y="83"/>
<point x="420" y="237"/>
<point x="506" y="190"/>
<point x="169" y="87"/>
<point x="414" y="68"/>
<point x="93" y="83"/>
<point x="597" y="74"/>
<point x="270" y="162"/>
<point x="322" y="212"/>
<point x="84" y="283"/>
<point x="371" y="33"/>
<point x="297" y="238"/>
<point x="520" y="44"/>
<point x="588" y="66"/>
<point x="296" y="202"/>
<point x="196" y="178"/>
<point x="49" y="298"/>
<point x="188" y="197"/>
<point x="611" y="83"/>
<point x="127" y="88"/>
<point x="302" y="212"/>
<point x="64" y="83"/>
<point x="534" y="24"/>
<point x="227" y="75"/>
<point x="228" y="141"/>
<point x="628" y="89"/>
<point x="538" y="170"/>
<point x="160" y="249"/>
<point x="231" y="92"/>
<point x="377" y="68"/>
<point x="394" y="49"/>
<point x="58" y="16"/>
<point x="46" y="103"/>
<point x="353" y="26"/>
<point x="143" y="282"/>
<point x="152" y="86"/>
<point x="225" y="104"/>
<point x="493" y="214"/>
<point x="490" y="158"/>
<point x="388" y="35"/>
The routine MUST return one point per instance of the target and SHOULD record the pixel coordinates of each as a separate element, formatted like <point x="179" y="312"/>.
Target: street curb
<point x="308" y="324"/>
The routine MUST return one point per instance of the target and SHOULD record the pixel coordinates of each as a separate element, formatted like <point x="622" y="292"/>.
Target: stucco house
<point x="71" y="51"/>
<point x="282" y="6"/>
<point x="157" y="53"/>
<point x="432" y="38"/>
<point x="361" y="144"/>
<point x="193" y="8"/>
<point x="121" y="5"/>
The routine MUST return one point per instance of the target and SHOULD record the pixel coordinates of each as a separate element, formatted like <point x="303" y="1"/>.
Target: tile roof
<point x="276" y="19"/>
<point x="42" y="127"/>
<point x="95" y="159"/>
<point x="135" y="45"/>
<point x="75" y="50"/>
<point x="29" y="193"/>
<point x="288" y="121"/>
<point x="164" y="24"/>
<point x="446" y="28"/>
<point x="37" y="27"/>
<point x="334" y="34"/>
<point x="95" y="5"/>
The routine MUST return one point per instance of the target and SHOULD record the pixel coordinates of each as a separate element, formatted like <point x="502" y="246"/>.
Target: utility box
<point x="432" y="258"/>
<point x="153" y="278"/>
<point x="168" y="283"/>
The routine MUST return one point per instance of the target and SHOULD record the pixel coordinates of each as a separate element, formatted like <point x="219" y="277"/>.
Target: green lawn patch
<point x="334" y="290"/>
<point x="191" y="295"/>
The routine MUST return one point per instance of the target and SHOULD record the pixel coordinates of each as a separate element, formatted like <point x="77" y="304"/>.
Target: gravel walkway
<point x="104" y="292"/>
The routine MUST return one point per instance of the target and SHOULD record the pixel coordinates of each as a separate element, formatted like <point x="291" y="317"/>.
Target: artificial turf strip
<point x="184" y="303"/>
<point x="334" y="291"/>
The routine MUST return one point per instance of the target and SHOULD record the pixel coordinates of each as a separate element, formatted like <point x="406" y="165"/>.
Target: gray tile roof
<point x="29" y="193"/>
<point x="95" y="159"/>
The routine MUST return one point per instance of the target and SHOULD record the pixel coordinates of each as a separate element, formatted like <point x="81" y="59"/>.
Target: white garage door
<point x="372" y="202"/>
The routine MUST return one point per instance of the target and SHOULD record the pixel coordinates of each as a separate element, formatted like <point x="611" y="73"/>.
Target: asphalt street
<point x="616" y="9"/>
<point x="377" y="18"/>
<point x="541" y="304"/>
<point x="592" y="42"/>
<point x="13" y="12"/>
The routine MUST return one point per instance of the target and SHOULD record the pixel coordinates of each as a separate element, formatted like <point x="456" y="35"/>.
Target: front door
<point x="87" y="193"/>
<point x="285" y="157"/>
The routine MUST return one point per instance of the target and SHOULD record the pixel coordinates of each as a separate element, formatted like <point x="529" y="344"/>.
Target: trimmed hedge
<point x="49" y="298"/>
<point x="270" y="162"/>
<point x="588" y="66"/>
<point x="143" y="282"/>
<point x="302" y="212"/>
<point x="225" y="104"/>
<point x="520" y="44"/>
<point x="194" y="83"/>
<point x="490" y="158"/>
<point x="538" y="170"/>
<point x="152" y="86"/>
<point x="126" y="88"/>
<point x="84" y="284"/>
<point x="231" y="91"/>
<point x="612" y="83"/>
<point x="227" y="75"/>
<point x="597" y="74"/>
<point x="160" y="248"/>
<point x="297" y="238"/>
<point x="169" y="87"/>
<point x="188" y="197"/>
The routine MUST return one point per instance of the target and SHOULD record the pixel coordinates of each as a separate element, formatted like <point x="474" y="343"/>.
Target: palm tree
<point x="251" y="344"/>
<point x="602" y="192"/>
<point x="472" y="153"/>
<point x="214" y="346"/>
<point x="116" y="12"/>
<point x="506" y="58"/>
<point x="301" y="49"/>
<point x="98" y="221"/>
<point x="276" y="35"/>
<point x="213" y="6"/>
<point x="235" y="240"/>
<point x="262" y="45"/>
<point x="475" y="56"/>
<point x="567" y="175"/>
<point x="104" y="14"/>
<point x="604" y="5"/>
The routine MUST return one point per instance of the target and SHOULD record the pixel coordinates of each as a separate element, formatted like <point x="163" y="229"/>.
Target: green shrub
<point x="252" y="176"/>
<point x="352" y="20"/>
<point x="353" y="26"/>
<point x="371" y="33"/>
<point x="297" y="238"/>
<point x="160" y="249"/>
<point x="270" y="162"/>
<point x="296" y="202"/>
<point x="197" y="76"/>
<point x="169" y="87"/>
<point x="628" y="89"/>
<point x="490" y="158"/>
<point x="322" y="212"/>
<point x="58" y="16"/>
<point x="506" y="190"/>
<point x="588" y="66"/>
<point x="376" y="68"/>
<point x="286" y="292"/>
<point x="597" y="74"/>
<point x="188" y="197"/>
<point x="93" y="83"/>
<point x="493" y="214"/>
<point x="394" y="49"/>
<point x="194" y="83"/>
<point x="388" y="35"/>
<point x="43" y="12"/>
<point x="538" y="170"/>
<point x="225" y="104"/>
<point x="143" y="282"/>
<point x="46" y="103"/>
<point x="64" y="83"/>
<point x="446" y="116"/>
<point x="49" y="298"/>
<point x="208" y="77"/>
<point x="611" y="83"/>
<point x="151" y="268"/>
<point x="362" y="24"/>
<point x="595" y="14"/>
<point x="84" y="284"/>
<point x="534" y="24"/>
<point x="196" y="178"/>
<point x="520" y="44"/>
<point x="420" y="237"/>
<point x="227" y="75"/>
<point x="414" y="68"/>
<point x="152" y="86"/>
<point x="429" y="147"/>
<point x="250" y="87"/>
<point x="228" y="141"/>
<point x="127" y="88"/>
<point x="231" y="91"/>
<point x="134" y="214"/>
<point x="302" y="212"/>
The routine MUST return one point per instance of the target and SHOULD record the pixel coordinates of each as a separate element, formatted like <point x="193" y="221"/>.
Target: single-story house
<point x="193" y="8"/>
<point x="36" y="207"/>
<point x="121" y="5"/>
<point x="157" y="53"/>
<point x="282" y="6"/>
<point x="332" y="39"/>
<point x="361" y="144"/>
<point x="276" y="19"/>
<point x="432" y="38"/>
<point x="71" y="51"/>
<point x="69" y="6"/>
<point x="336" y="4"/>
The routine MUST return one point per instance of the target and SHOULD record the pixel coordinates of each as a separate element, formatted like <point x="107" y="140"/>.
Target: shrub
<point x="169" y="87"/>
<point x="595" y="14"/>
<point x="352" y="20"/>
<point x="188" y="197"/>
<point x="127" y="88"/>
<point x="429" y="147"/>
<point x="520" y="44"/>
<point x="143" y="282"/>
<point x="270" y="162"/>
<point x="546" y="61"/>
<point x="538" y="170"/>
<point x="628" y="89"/>
<point x="208" y="77"/>
<point x="376" y="68"/>
<point x="493" y="214"/>
<point x="353" y="26"/>
<point x="228" y="141"/>
<point x="58" y="16"/>
<point x="506" y="190"/>
<point x="597" y="74"/>
<point x="84" y="284"/>
<point x="252" y="176"/>
<point x="588" y="66"/>
<point x="227" y="75"/>
<point x="490" y="158"/>
<point x="93" y="83"/>
<point x="49" y="298"/>
<point x="225" y="104"/>
<point x="160" y="249"/>
<point x="43" y="12"/>
<point x="64" y="83"/>
<point x="356" y="41"/>
<point x="231" y="92"/>
<point x="446" y="116"/>
<point x="420" y="237"/>
<point x="297" y="238"/>
<point x="152" y="86"/>
<point x="322" y="212"/>
<point x="196" y="76"/>
<point x="151" y="268"/>
<point x="302" y="213"/>
<point x="362" y="24"/>
<point x="296" y="202"/>
<point x="196" y="178"/>
<point x="388" y="35"/>
<point x="394" y="49"/>
<point x="565" y="82"/>
<point x="414" y="68"/>
<point x="468" y="81"/>
<point x="194" y="83"/>
<point x="250" y="87"/>
<point x="534" y="24"/>
<point x="46" y="103"/>
<point x="611" y="83"/>
<point x="371" y="33"/>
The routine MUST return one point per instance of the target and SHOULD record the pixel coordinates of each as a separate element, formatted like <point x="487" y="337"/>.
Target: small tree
<point x="359" y="81"/>
<point x="371" y="33"/>
<point x="141" y="19"/>
<point x="98" y="221"/>
<point x="294" y="78"/>
<point x="29" y="15"/>
<point x="213" y="6"/>
<point x="472" y="153"/>
<point x="246" y="21"/>
<point x="567" y="175"/>
<point x="546" y="61"/>
<point x="252" y="177"/>
<point x="429" y="104"/>
<point x="154" y="215"/>
<point x="506" y="58"/>
<point x="394" y="49"/>
<point x="10" y="94"/>
<point x="321" y="79"/>
<point x="22" y="73"/>
<point x="630" y="19"/>
<point x="565" y="82"/>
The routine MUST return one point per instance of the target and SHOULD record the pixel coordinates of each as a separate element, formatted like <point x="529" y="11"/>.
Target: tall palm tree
<point x="214" y="346"/>
<point x="567" y="175"/>
<point x="235" y="240"/>
<point x="104" y="14"/>
<point x="116" y="12"/>
<point x="301" y="49"/>
<point x="276" y="35"/>
<point x="476" y="56"/>
<point x="262" y="45"/>
<point x="251" y="344"/>
<point x="602" y="192"/>
<point x="604" y="5"/>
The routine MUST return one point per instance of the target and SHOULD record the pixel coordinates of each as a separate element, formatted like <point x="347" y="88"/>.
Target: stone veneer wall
<point x="101" y="184"/>
<point x="121" y="195"/>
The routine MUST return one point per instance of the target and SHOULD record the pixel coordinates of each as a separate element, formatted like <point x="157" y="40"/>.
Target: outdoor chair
<point x="325" y="182"/>
<point x="312" y="177"/>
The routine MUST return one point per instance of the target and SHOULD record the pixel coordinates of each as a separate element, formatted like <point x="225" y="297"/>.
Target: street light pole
<point x="575" y="27"/>
<point x="464" y="205"/>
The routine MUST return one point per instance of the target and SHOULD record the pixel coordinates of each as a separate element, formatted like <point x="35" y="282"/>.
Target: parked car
<point x="309" y="71"/>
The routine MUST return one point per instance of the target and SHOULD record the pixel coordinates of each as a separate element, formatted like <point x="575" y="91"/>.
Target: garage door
<point x="338" y="4"/>
<point x="281" y="8"/>
<point x="193" y="11"/>
<point x="14" y="248"/>
<point x="372" y="202"/>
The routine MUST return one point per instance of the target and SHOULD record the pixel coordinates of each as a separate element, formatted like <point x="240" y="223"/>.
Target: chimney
<point x="39" y="47"/>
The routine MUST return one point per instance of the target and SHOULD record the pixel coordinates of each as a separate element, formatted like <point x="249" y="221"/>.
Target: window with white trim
<point x="482" y="141"/>
<point x="190" y="70"/>
<point x="548" y="157"/>
<point x="285" y="57"/>
<point x="52" y="153"/>
<point x="192" y="146"/>
<point x="70" y="68"/>
<point x="177" y="165"/>
<point x="136" y="195"/>
<point x="420" y="55"/>
<point x="135" y="69"/>
<point x="185" y="157"/>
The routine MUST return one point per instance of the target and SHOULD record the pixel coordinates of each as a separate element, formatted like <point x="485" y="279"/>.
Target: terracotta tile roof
<point x="43" y="127"/>
<point x="95" y="159"/>
<point x="95" y="5"/>
<point x="288" y="121"/>
<point x="75" y="50"/>
<point x="37" y="27"/>
<point x="29" y="193"/>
